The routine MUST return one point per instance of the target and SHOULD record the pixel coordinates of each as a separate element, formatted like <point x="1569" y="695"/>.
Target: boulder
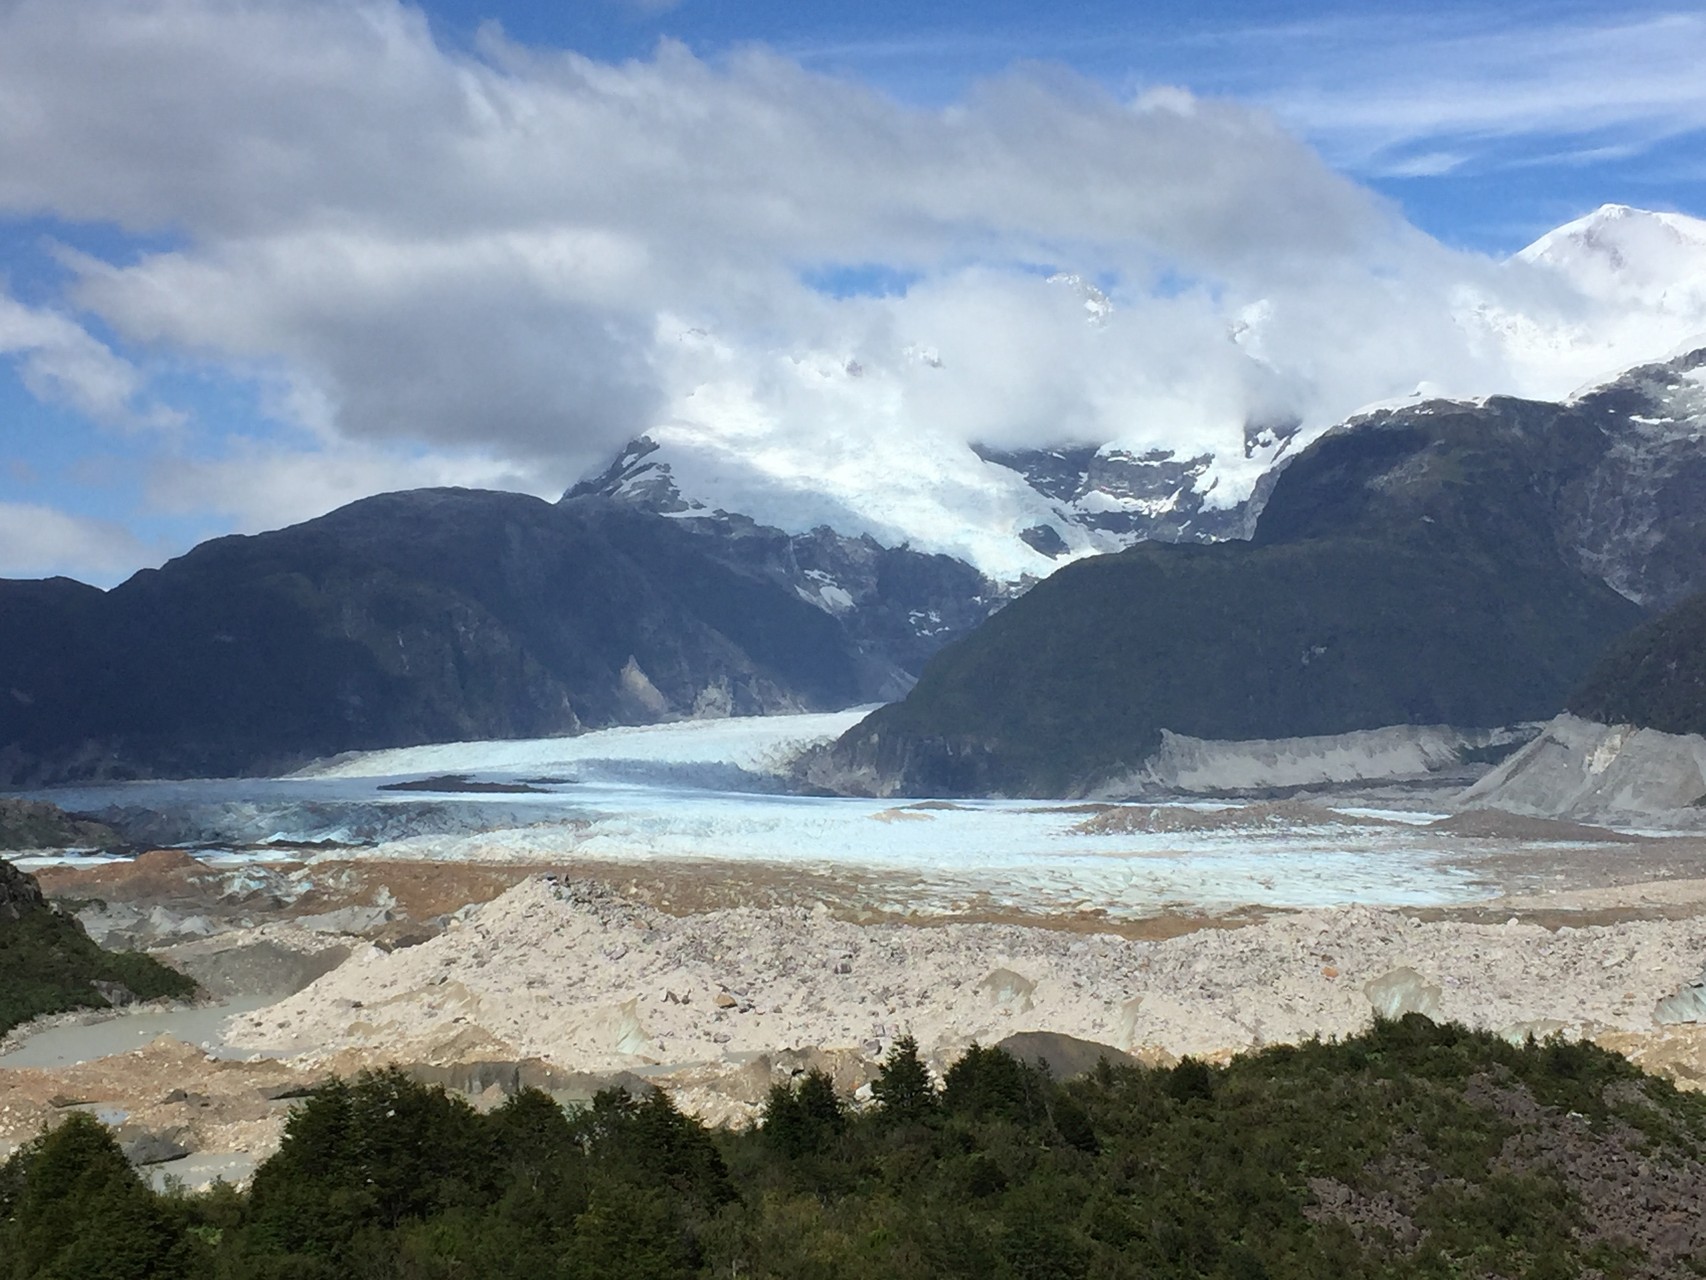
<point x="1402" y="991"/>
<point x="1065" y="1056"/>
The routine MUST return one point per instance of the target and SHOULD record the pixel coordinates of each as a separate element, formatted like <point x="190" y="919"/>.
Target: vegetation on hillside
<point x="49" y="965"/>
<point x="1655" y="677"/>
<point x="1074" y="682"/>
<point x="1413" y="1150"/>
<point x="1409" y="570"/>
<point x="35" y="824"/>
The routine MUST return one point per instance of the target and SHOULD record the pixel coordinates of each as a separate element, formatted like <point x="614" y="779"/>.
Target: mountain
<point x="1447" y="562"/>
<point x="1653" y="678"/>
<point x="1632" y="747"/>
<point x="1597" y="295"/>
<point x="1633" y="257"/>
<point x="448" y="614"/>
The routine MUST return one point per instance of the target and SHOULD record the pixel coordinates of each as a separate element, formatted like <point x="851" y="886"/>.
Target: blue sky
<point x="256" y="260"/>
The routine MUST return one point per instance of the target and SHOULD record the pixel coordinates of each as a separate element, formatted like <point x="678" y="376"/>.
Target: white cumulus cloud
<point x="501" y="264"/>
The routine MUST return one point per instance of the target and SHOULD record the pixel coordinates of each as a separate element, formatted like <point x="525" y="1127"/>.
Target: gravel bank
<point x="574" y="973"/>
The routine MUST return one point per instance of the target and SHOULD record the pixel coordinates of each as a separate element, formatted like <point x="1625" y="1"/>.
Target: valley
<point x="661" y="905"/>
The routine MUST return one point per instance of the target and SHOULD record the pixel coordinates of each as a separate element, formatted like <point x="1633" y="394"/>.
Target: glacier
<point x="1150" y="451"/>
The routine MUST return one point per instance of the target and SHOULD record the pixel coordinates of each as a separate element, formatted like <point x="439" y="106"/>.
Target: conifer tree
<point x="903" y="1088"/>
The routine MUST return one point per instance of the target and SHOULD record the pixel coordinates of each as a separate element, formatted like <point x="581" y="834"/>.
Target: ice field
<point x="714" y="792"/>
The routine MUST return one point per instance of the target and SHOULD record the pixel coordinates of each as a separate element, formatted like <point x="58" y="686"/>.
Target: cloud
<point x="457" y="249"/>
<point x="61" y="361"/>
<point x="495" y="266"/>
<point x="39" y="541"/>
<point x="1375" y="90"/>
<point x="255" y="485"/>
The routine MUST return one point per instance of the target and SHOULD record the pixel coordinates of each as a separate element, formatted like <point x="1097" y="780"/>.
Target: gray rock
<point x="152" y="1146"/>
<point x="1687" y="1005"/>
<point x="1005" y="987"/>
<point x="1402" y="991"/>
<point x="1065" y="1056"/>
<point x="114" y="993"/>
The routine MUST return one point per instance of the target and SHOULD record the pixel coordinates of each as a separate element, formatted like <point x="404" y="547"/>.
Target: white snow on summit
<point x="1146" y="414"/>
<point x="1631" y="257"/>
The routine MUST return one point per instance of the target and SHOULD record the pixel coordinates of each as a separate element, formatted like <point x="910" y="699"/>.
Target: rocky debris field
<point x="716" y="982"/>
<point x="575" y="974"/>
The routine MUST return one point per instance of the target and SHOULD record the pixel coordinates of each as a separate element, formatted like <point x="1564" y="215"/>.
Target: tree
<point x="802" y="1118"/>
<point x="991" y="1082"/>
<point x="903" y="1088"/>
<point x="80" y="1210"/>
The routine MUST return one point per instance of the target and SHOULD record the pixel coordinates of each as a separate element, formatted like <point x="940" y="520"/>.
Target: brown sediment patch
<point x="1496" y="824"/>
<point x="901" y="815"/>
<point x="413" y="890"/>
<point x="1549" y="918"/>
<point x="156" y="872"/>
<point x="163" y="1086"/>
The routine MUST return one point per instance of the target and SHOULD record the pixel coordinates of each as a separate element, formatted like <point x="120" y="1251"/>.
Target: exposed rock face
<point x="1148" y="497"/>
<point x="1200" y="766"/>
<point x="440" y="615"/>
<point x="19" y="893"/>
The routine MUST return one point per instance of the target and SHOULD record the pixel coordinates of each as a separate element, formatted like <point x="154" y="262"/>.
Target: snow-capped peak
<point x="1050" y="421"/>
<point x="1633" y="256"/>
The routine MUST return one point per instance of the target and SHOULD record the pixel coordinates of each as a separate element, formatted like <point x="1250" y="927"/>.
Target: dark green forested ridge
<point x="1412" y="1150"/>
<point x="1076" y="680"/>
<point x="1655" y="677"/>
<point x="438" y="615"/>
<point x="49" y="965"/>
<point x="1410" y="570"/>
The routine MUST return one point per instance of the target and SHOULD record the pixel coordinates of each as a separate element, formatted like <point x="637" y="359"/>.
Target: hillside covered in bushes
<point x="49" y="965"/>
<point x="1655" y="677"/>
<point x="1413" y="1150"/>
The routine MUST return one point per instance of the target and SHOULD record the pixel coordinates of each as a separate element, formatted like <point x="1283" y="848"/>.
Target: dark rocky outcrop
<point x="20" y="895"/>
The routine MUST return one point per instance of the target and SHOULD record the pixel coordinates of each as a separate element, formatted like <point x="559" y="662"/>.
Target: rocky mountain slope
<point x="1599" y="294"/>
<point x="1447" y="563"/>
<point x="441" y="615"/>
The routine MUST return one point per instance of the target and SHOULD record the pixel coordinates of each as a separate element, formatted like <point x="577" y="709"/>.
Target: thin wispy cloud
<point x="1372" y="88"/>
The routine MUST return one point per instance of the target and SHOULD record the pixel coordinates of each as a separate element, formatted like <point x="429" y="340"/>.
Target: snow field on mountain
<point x="870" y="430"/>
